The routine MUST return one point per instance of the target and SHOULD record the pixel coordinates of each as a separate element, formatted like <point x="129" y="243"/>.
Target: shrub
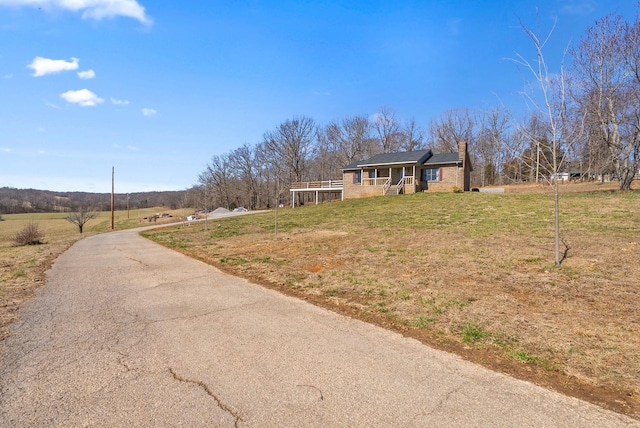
<point x="458" y="189"/>
<point x="29" y="235"/>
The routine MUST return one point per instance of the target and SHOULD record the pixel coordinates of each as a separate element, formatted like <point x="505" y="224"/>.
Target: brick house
<point x="407" y="172"/>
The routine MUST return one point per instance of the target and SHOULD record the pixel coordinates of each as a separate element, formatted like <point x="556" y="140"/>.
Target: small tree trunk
<point x="556" y="211"/>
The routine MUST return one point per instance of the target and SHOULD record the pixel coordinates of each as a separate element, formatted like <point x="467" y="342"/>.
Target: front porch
<point x="388" y="181"/>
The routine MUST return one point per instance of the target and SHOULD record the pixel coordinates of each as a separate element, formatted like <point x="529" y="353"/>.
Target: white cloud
<point x="83" y="97"/>
<point x="578" y="7"/>
<point x="91" y="9"/>
<point x="52" y="105"/>
<point x="119" y="102"/>
<point x="149" y="112"/>
<point x="8" y="76"/>
<point x="89" y="74"/>
<point x="43" y="66"/>
<point x="5" y="150"/>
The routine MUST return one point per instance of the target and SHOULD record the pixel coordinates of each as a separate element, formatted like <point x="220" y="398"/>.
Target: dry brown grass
<point x="469" y="273"/>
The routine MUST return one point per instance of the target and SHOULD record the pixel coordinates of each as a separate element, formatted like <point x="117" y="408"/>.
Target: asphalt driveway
<point x="128" y="333"/>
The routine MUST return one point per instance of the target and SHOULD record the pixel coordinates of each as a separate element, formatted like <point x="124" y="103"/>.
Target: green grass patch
<point x="234" y="261"/>
<point x="474" y="333"/>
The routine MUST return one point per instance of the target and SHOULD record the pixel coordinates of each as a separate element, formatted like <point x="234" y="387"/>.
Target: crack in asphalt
<point x="147" y="323"/>
<point x="315" y="387"/>
<point x="210" y="393"/>
<point x="446" y="397"/>
<point x="181" y="282"/>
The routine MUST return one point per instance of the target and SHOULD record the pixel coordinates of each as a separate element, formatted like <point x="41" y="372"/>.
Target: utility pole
<point x="113" y="171"/>
<point x="127" y="206"/>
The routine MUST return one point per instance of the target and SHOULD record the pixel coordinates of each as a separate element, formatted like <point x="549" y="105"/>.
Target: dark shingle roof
<point x="417" y="157"/>
<point x="443" y="158"/>
<point x="352" y="166"/>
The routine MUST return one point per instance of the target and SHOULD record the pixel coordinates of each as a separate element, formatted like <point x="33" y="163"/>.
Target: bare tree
<point x="448" y="130"/>
<point x="387" y="129"/>
<point x="607" y="67"/>
<point x="537" y="155"/>
<point x="548" y="95"/>
<point x="495" y="125"/>
<point x="412" y="136"/>
<point x="288" y="147"/>
<point x="81" y="216"/>
<point x="243" y="161"/>
<point x="218" y="180"/>
<point x="513" y="165"/>
<point x="348" y="139"/>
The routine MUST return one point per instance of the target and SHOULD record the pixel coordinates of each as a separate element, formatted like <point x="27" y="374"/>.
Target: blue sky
<point x="155" y="88"/>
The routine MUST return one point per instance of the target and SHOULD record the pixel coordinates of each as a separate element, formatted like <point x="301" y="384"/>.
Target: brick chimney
<point x="462" y="152"/>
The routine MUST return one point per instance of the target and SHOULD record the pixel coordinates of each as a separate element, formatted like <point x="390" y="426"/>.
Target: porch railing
<point x="386" y="186"/>
<point x="374" y="181"/>
<point x="328" y="184"/>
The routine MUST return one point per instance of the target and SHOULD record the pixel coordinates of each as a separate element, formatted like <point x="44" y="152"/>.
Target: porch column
<point x="415" y="186"/>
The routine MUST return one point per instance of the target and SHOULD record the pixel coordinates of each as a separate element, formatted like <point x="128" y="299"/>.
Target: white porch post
<point x="415" y="187"/>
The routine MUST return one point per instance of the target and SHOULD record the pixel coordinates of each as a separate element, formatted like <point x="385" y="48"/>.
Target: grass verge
<point x="468" y="273"/>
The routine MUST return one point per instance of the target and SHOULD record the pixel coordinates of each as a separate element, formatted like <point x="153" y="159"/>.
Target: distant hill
<point x="15" y="201"/>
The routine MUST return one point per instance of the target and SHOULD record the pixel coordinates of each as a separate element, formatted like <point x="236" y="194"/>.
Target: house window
<point x="431" y="174"/>
<point x="357" y="177"/>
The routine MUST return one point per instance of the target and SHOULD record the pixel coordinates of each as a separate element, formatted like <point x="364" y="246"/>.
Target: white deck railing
<point x="329" y="184"/>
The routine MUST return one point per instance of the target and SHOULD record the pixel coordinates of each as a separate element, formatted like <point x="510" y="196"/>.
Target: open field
<point x="23" y="268"/>
<point x="469" y="273"/>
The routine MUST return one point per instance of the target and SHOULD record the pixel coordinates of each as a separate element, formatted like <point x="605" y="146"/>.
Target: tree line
<point x="16" y="201"/>
<point x="599" y="112"/>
